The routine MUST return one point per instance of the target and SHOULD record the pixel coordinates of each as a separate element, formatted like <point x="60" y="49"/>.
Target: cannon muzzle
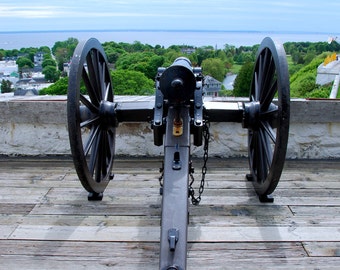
<point x="178" y="82"/>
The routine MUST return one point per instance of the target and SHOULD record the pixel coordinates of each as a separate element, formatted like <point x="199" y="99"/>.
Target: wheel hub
<point x="251" y="115"/>
<point x="107" y="114"/>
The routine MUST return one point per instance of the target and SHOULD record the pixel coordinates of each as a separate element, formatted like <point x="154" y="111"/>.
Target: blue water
<point x="228" y="82"/>
<point x="17" y="40"/>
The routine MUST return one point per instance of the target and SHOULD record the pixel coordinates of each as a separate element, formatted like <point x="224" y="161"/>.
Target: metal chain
<point x="160" y="178"/>
<point x="206" y="136"/>
<point x="197" y="200"/>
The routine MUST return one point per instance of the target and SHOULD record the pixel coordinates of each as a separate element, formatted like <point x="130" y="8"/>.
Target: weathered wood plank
<point x="81" y="209"/>
<point x="316" y="210"/>
<point x="195" y="234"/>
<point x="289" y="200"/>
<point x="151" y="195"/>
<point x="322" y="249"/>
<point x="211" y="262"/>
<point x="15" y="209"/>
<point x="6" y="230"/>
<point x="22" y="195"/>
<point x="142" y="209"/>
<point x="237" y="217"/>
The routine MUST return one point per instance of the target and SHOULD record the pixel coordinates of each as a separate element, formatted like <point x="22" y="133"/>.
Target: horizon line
<point x="166" y="30"/>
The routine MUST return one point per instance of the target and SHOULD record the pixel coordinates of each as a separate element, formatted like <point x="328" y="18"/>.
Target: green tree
<point x="2" y="54"/>
<point x="170" y="56"/>
<point x="47" y="56"/>
<point x="153" y="64"/>
<point x="113" y="50"/>
<point x="204" y="53"/>
<point x="130" y="82"/>
<point x="51" y="73"/>
<point x="230" y="50"/>
<point x="63" y="51"/>
<point x="214" y="67"/>
<point x="49" y="62"/>
<point x="303" y="81"/>
<point x="6" y="86"/>
<point x="24" y="62"/>
<point x="45" y="49"/>
<point x="58" y="88"/>
<point x="321" y="91"/>
<point x="145" y="62"/>
<point x="243" y="80"/>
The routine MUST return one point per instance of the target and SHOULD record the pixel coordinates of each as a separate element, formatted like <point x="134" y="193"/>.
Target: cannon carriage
<point x="179" y="118"/>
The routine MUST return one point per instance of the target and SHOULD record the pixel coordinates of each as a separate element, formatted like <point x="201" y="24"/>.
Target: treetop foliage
<point x="127" y="60"/>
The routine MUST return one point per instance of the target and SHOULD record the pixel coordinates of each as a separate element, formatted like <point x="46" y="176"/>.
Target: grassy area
<point x="290" y="60"/>
<point x="235" y="69"/>
<point x="302" y="78"/>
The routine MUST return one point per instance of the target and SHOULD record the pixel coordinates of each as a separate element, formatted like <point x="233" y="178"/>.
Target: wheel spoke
<point x="102" y="156"/>
<point x="251" y="148"/>
<point x="92" y="67"/>
<point x="92" y="136"/>
<point x="268" y="75"/>
<point x="105" y="150"/>
<point x="259" y="78"/>
<point x="105" y="84"/>
<point x="99" y="159"/>
<point x="267" y="149"/>
<point x="101" y="70"/>
<point x="256" y="98"/>
<point x="111" y="145"/>
<point x="271" y="115"/>
<point x="269" y="96"/>
<point x="262" y="69"/>
<point x="269" y="131"/>
<point x="257" y="164"/>
<point x="90" y="88"/>
<point x="89" y="122"/>
<point x="97" y="67"/>
<point x="88" y="104"/>
<point x="107" y="92"/>
<point x="261" y="159"/>
<point x="94" y="153"/>
<point x="257" y="157"/>
<point x="252" y="152"/>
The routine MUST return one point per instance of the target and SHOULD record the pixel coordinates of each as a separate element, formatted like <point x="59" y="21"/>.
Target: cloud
<point x="307" y="15"/>
<point x="39" y="11"/>
<point x="19" y="11"/>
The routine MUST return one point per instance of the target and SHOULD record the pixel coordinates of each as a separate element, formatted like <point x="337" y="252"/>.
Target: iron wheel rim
<point x="92" y="141"/>
<point x="267" y="143"/>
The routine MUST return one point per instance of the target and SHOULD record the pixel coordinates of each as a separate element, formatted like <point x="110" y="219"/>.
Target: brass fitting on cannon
<point x="177" y="129"/>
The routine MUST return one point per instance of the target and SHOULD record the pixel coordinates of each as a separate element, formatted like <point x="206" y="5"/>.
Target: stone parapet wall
<point x="39" y="127"/>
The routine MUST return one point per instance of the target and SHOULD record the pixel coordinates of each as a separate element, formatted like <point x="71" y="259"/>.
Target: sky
<point x="220" y="15"/>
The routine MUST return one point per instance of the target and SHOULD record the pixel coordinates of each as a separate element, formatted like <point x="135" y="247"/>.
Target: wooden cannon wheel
<point x="91" y="120"/>
<point x="267" y="117"/>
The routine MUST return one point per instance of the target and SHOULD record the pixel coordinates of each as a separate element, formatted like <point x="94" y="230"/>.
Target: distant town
<point x="27" y="82"/>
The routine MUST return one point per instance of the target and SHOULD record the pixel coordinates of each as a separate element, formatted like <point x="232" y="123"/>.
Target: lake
<point x="217" y="39"/>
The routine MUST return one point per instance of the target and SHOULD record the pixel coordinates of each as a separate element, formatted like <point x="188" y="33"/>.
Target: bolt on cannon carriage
<point x="177" y="115"/>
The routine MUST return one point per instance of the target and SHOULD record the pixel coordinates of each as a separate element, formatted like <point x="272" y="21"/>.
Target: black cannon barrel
<point x="178" y="82"/>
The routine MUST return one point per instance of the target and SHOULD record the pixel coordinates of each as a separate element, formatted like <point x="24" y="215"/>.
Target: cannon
<point x="179" y="117"/>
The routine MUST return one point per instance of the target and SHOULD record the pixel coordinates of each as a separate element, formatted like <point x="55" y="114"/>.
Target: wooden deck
<point x="47" y="223"/>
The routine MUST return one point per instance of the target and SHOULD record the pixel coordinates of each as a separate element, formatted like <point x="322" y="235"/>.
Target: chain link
<point x="194" y="200"/>
<point x="160" y="178"/>
<point x="206" y="136"/>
